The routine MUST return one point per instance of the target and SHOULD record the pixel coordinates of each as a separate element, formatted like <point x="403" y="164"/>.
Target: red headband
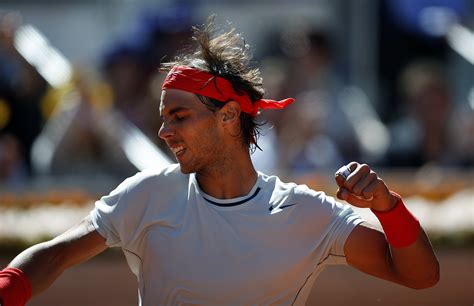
<point x="208" y="85"/>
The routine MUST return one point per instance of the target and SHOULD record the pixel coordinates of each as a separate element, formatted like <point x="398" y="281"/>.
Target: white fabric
<point x="185" y="250"/>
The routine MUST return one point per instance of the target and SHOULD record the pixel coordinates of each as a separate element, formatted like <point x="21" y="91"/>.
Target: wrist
<point x="394" y="199"/>
<point x="401" y="228"/>
<point x="15" y="288"/>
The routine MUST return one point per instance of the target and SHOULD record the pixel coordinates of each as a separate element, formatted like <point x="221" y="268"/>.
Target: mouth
<point x="178" y="150"/>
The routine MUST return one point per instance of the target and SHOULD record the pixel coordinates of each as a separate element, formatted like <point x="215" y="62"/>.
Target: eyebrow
<point x="176" y="110"/>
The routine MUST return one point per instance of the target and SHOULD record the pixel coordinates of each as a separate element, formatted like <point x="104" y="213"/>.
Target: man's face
<point x="189" y="129"/>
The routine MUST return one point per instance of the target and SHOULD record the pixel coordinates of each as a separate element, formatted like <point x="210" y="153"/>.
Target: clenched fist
<point x="360" y="186"/>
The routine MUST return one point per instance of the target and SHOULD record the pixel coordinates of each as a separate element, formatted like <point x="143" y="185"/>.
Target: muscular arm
<point x="413" y="265"/>
<point x="44" y="262"/>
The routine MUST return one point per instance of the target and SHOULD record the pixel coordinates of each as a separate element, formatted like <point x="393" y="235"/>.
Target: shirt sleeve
<point x="110" y="212"/>
<point x="345" y="220"/>
<point x="329" y="224"/>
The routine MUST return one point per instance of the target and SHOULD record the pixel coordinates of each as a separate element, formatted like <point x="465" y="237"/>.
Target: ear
<point x="230" y="113"/>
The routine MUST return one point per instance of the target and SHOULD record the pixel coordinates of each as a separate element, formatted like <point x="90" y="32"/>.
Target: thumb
<point x="344" y="194"/>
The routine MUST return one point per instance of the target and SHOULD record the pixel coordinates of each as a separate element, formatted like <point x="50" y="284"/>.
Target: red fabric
<point x="205" y="84"/>
<point x="400" y="226"/>
<point x="15" y="288"/>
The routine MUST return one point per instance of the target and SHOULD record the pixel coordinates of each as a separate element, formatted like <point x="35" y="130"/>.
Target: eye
<point x="180" y="117"/>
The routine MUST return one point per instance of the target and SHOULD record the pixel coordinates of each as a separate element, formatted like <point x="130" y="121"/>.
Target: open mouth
<point x="178" y="150"/>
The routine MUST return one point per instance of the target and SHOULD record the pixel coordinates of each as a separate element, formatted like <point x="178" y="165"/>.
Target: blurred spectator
<point x="166" y="30"/>
<point x="313" y="148"/>
<point x="127" y="70"/>
<point x="21" y="91"/>
<point x="95" y="126"/>
<point x="463" y="132"/>
<point x="78" y="137"/>
<point x="422" y="134"/>
<point x="324" y="137"/>
<point x="12" y="165"/>
<point x="131" y="66"/>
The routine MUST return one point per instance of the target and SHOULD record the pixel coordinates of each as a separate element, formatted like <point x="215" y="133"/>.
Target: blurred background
<point x="384" y="82"/>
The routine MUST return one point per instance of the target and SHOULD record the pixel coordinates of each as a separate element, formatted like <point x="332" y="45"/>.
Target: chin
<point x="186" y="170"/>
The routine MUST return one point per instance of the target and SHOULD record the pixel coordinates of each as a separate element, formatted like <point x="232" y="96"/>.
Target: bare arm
<point x="414" y="266"/>
<point x="44" y="262"/>
<point x="367" y="249"/>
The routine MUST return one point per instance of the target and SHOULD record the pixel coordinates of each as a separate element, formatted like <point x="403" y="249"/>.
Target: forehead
<point x="173" y="98"/>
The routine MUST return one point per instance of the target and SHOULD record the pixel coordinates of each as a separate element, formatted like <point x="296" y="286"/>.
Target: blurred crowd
<point x="82" y="127"/>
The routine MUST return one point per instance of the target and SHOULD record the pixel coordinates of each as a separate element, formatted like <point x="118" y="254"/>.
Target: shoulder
<point x="308" y="198"/>
<point x="171" y="172"/>
<point x="283" y="188"/>
<point x="282" y="192"/>
<point x="153" y="179"/>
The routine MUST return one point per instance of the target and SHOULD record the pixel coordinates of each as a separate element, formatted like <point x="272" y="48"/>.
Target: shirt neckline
<point x="233" y="202"/>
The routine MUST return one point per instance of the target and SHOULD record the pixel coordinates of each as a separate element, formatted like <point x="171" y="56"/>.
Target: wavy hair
<point x="227" y="55"/>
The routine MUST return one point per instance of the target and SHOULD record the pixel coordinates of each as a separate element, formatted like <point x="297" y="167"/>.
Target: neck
<point x="231" y="178"/>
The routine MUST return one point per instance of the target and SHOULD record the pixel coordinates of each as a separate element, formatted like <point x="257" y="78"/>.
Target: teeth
<point x="177" y="149"/>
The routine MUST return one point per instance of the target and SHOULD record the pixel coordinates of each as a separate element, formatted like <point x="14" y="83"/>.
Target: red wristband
<point x="400" y="226"/>
<point x="15" y="288"/>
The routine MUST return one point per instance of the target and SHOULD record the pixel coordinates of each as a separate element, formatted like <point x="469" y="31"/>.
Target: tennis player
<point x="211" y="230"/>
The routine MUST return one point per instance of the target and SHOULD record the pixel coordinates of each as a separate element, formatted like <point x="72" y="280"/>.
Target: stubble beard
<point x="210" y="160"/>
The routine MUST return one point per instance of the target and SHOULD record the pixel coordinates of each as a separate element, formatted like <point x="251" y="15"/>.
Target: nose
<point x="165" y="131"/>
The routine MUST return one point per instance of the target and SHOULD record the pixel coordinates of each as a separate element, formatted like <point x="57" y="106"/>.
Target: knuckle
<point x="357" y="190"/>
<point x="366" y="194"/>
<point x="350" y="187"/>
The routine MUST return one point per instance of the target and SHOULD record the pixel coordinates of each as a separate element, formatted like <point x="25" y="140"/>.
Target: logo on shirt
<point x="277" y="208"/>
